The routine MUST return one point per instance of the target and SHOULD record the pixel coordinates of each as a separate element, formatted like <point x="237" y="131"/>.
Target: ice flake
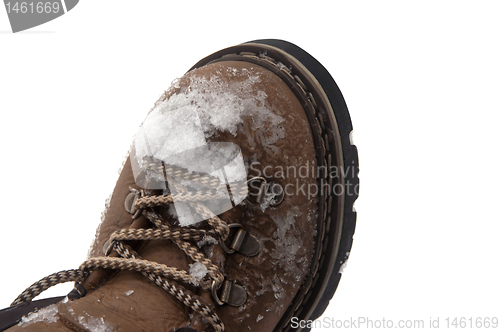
<point x="259" y="318"/>
<point x="186" y="214"/>
<point x="188" y="118"/>
<point x="265" y="284"/>
<point x="207" y="239"/>
<point x="128" y="293"/>
<point x="242" y="318"/>
<point x="269" y="198"/>
<point x="95" y="243"/>
<point x="159" y="134"/>
<point x="95" y="324"/>
<point x="342" y="267"/>
<point x="344" y="264"/>
<point x="286" y="241"/>
<point x="279" y="291"/>
<point x="198" y="271"/>
<point x="47" y="314"/>
<point x="351" y="137"/>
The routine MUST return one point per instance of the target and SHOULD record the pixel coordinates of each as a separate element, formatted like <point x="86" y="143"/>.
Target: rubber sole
<point x="331" y="126"/>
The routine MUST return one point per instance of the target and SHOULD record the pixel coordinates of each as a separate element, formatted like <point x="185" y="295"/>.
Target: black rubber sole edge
<point x="350" y="156"/>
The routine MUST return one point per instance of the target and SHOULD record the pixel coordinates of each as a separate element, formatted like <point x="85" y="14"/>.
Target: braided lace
<point x="166" y="277"/>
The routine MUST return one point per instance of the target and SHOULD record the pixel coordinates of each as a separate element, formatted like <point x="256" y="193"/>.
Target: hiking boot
<point x="233" y="211"/>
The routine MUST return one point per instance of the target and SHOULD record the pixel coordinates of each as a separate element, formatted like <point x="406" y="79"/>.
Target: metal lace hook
<point x="232" y="294"/>
<point x="243" y="242"/>
<point x="265" y="189"/>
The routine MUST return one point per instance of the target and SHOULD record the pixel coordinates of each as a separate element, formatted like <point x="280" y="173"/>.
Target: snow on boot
<point x="233" y="211"/>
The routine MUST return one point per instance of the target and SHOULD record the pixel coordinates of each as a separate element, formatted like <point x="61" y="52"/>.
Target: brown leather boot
<point x="233" y="211"/>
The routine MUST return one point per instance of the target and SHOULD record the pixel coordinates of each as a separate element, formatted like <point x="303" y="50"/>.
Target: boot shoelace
<point x="164" y="276"/>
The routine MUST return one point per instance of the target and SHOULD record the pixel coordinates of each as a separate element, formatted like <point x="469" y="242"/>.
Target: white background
<point x="421" y="80"/>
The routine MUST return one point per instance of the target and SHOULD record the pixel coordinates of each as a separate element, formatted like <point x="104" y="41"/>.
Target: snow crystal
<point x="128" y="293"/>
<point x="198" y="271"/>
<point x="187" y="119"/>
<point x="286" y="243"/>
<point x="47" y="314"/>
<point x="234" y="167"/>
<point x="351" y="137"/>
<point x="95" y="324"/>
<point x="259" y="318"/>
<point x="270" y="198"/>
<point x="207" y="239"/>
<point x="265" y="284"/>
<point x="344" y="265"/>
<point x="279" y="291"/>
<point x="159" y="134"/>
<point x="171" y="211"/>
<point x="177" y="129"/>
<point x="275" y="285"/>
<point x="275" y="133"/>
<point x="242" y="318"/>
<point x="95" y="242"/>
<point x="186" y="214"/>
